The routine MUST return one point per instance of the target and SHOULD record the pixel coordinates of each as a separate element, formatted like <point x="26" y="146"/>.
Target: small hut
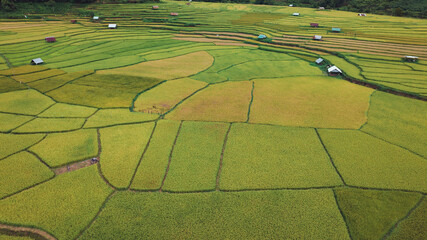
<point x="410" y="58"/>
<point x="50" y="39"/>
<point x="174" y="14"/>
<point x="314" y="25"/>
<point x="155" y="7"/>
<point x="112" y="26"/>
<point x="36" y="61"/>
<point x="335" y="29"/>
<point x="317" y="37"/>
<point x="262" y="36"/>
<point x="361" y="14"/>
<point x="319" y="61"/>
<point x="291" y="5"/>
<point x="189" y="3"/>
<point x="321" y="8"/>
<point x="95" y="18"/>
<point x="73" y="21"/>
<point x="334" y="71"/>
<point x="295" y="14"/>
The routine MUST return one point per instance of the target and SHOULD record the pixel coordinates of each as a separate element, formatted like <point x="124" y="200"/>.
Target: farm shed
<point x="155" y="7"/>
<point x="319" y="61"/>
<point x="411" y="58"/>
<point x="321" y="8"/>
<point x="295" y="14"/>
<point x="314" y="25"/>
<point x="112" y="26"/>
<point x="262" y="36"/>
<point x="73" y="21"/>
<point x="50" y="39"/>
<point x="361" y="14"/>
<point x="291" y="5"/>
<point x="36" y="61"/>
<point x="334" y="71"/>
<point x="334" y="29"/>
<point x="174" y="14"/>
<point x="317" y="37"/>
<point x="95" y="18"/>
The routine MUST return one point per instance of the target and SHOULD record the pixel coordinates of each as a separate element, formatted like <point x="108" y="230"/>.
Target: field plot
<point x="269" y="157"/>
<point x="309" y="102"/>
<point x="190" y="127"/>
<point x="224" y="102"/>
<point x="300" y="214"/>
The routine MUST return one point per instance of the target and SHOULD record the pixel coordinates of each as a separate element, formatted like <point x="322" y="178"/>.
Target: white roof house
<point x="291" y="5"/>
<point x="95" y="18"/>
<point x="411" y="57"/>
<point x="112" y="25"/>
<point x="37" y="61"/>
<point x="295" y="14"/>
<point x="319" y="60"/>
<point x="334" y="69"/>
<point x="317" y="37"/>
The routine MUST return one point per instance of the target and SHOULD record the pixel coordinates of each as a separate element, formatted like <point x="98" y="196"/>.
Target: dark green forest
<point x="407" y="8"/>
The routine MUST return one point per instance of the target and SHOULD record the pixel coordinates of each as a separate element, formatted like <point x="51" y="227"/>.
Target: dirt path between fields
<point x="25" y="231"/>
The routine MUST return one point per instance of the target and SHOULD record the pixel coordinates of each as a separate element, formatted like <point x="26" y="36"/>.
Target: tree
<point x="8" y="5"/>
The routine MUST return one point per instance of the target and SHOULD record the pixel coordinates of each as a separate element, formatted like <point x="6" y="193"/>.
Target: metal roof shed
<point x="155" y="7"/>
<point x="411" y="58"/>
<point x="50" y="39"/>
<point x="295" y="14"/>
<point x="36" y="61"/>
<point x="317" y="37"/>
<point x="174" y="14"/>
<point x="112" y="26"/>
<point x="319" y="60"/>
<point x="95" y="18"/>
<point x="334" y="70"/>
<point x="321" y="8"/>
<point x="262" y="36"/>
<point x="335" y="29"/>
<point x="314" y="25"/>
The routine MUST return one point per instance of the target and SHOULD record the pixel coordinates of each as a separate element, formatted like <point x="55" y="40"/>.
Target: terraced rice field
<point x="188" y="127"/>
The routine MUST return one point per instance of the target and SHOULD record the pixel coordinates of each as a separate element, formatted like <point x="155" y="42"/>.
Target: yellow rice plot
<point x="163" y="97"/>
<point x="170" y="68"/>
<point x="224" y="102"/>
<point x="321" y="102"/>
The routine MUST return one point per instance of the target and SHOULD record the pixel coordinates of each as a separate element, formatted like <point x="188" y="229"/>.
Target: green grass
<point x="58" y="149"/>
<point x="122" y="147"/>
<point x="366" y="161"/>
<point x="154" y="163"/>
<point x="196" y="156"/>
<point x="50" y="125"/>
<point x="67" y="110"/>
<point x="370" y="213"/>
<point x="25" y="102"/>
<point x="268" y="157"/>
<point x="63" y="206"/>
<point x="49" y="84"/>
<point x="11" y="121"/>
<point x="109" y="117"/>
<point x="12" y="143"/>
<point x="413" y="227"/>
<point x="21" y="170"/>
<point x="22" y="70"/>
<point x="38" y="75"/>
<point x="399" y="120"/>
<point x="309" y="214"/>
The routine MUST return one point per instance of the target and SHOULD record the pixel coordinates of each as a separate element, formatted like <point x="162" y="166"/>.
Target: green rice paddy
<point x="188" y="127"/>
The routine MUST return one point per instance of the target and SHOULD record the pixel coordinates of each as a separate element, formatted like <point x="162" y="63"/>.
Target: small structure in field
<point x="50" y="39"/>
<point x="112" y="26"/>
<point x="319" y="61"/>
<point x="262" y="36"/>
<point x="95" y="18"/>
<point x="314" y="25"/>
<point x="317" y="37"/>
<point x="361" y="14"/>
<point x="36" y="61"/>
<point x="295" y="14"/>
<point x="291" y="5"/>
<point x="174" y="14"/>
<point x="155" y="7"/>
<point x="73" y="21"/>
<point x="189" y="3"/>
<point x="410" y="58"/>
<point x="321" y="8"/>
<point x="335" y="29"/>
<point x="334" y="71"/>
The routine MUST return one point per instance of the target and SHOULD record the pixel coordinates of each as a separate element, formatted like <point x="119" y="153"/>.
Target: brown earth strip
<point x="25" y="231"/>
<point x="75" y="166"/>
